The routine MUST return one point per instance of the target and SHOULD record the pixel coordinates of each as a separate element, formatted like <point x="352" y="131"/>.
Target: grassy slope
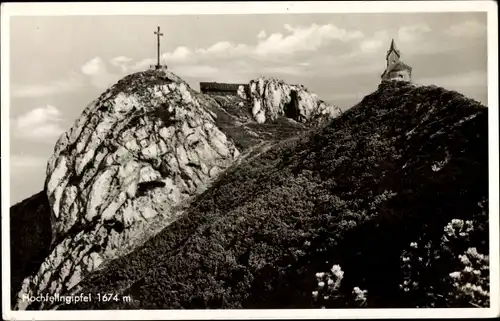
<point x="237" y="122"/>
<point x="257" y="237"/>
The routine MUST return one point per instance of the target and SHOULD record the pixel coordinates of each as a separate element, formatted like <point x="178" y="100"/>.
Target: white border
<point x="202" y="8"/>
<point x="254" y="7"/>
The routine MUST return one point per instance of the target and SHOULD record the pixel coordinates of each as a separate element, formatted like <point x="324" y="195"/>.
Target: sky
<point x="59" y="64"/>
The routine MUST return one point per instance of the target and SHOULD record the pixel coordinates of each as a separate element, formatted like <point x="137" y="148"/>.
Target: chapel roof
<point x="397" y="66"/>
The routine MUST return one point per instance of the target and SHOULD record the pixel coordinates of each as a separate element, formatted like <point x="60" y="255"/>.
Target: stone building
<point x="215" y="88"/>
<point x="396" y="69"/>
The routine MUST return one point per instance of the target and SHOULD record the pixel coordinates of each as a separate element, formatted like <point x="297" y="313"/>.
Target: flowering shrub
<point x="359" y="296"/>
<point x="411" y="260"/>
<point x="456" y="231"/>
<point x="466" y="284"/>
<point x="471" y="283"/>
<point x="328" y="285"/>
<point x="328" y="288"/>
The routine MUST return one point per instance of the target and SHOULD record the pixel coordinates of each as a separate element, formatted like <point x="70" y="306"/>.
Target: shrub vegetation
<point x="391" y="171"/>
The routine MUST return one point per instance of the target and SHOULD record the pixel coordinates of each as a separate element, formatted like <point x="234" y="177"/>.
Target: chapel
<point x="395" y="68"/>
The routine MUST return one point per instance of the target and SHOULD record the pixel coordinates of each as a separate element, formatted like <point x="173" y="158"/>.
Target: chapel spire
<point x="393" y="54"/>
<point x="393" y="49"/>
<point x="393" y="45"/>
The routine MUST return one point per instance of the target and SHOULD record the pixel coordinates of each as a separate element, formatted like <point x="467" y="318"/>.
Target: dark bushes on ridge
<point x="404" y="161"/>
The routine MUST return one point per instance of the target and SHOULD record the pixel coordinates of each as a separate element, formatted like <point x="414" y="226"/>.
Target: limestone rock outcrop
<point x="241" y="92"/>
<point x="136" y="153"/>
<point x="273" y="97"/>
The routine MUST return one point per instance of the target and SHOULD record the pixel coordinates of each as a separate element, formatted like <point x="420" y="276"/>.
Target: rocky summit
<point x="134" y="158"/>
<point x="274" y="199"/>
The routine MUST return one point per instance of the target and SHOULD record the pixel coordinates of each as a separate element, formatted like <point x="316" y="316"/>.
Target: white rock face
<point x="241" y="92"/>
<point x="139" y="150"/>
<point x="272" y="98"/>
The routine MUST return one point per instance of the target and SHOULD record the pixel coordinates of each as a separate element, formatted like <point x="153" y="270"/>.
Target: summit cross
<point x="158" y="34"/>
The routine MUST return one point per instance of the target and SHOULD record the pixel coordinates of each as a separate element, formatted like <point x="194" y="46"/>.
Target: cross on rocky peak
<point x="158" y="34"/>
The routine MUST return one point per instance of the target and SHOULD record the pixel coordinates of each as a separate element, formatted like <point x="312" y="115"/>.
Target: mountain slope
<point x="129" y="166"/>
<point x="404" y="161"/>
<point x="30" y="237"/>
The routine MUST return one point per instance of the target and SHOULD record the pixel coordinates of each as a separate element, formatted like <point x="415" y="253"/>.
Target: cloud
<point x="93" y="67"/>
<point x="303" y="39"/>
<point x="71" y="83"/>
<point x="38" y="124"/>
<point x="473" y="84"/>
<point x="143" y="64"/>
<point x="412" y="33"/>
<point x="279" y="48"/>
<point x="27" y="162"/>
<point x="289" y="42"/>
<point x="459" y="82"/>
<point x="319" y="45"/>
<point x="180" y="54"/>
<point x="38" y="115"/>
<point x="196" y="71"/>
<point x="121" y="62"/>
<point x="285" y="70"/>
<point x="379" y="40"/>
<point x="98" y="74"/>
<point x="468" y="29"/>
<point x="95" y="72"/>
<point x="236" y="60"/>
<point x="222" y="50"/>
<point x="370" y="45"/>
